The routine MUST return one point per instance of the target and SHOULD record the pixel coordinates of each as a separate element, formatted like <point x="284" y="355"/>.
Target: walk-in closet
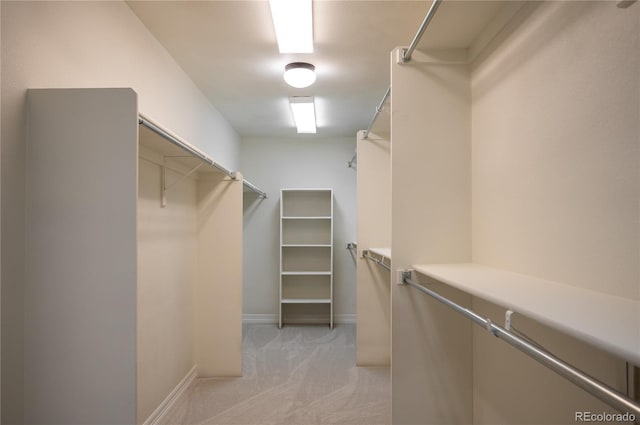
<point x="513" y="169"/>
<point x="450" y="236"/>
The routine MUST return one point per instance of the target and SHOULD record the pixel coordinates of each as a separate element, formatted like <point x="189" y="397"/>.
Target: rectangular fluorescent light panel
<point x="304" y="113"/>
<point x="293" y="22"/>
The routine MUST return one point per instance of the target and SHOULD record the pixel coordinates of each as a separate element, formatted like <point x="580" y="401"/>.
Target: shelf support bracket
<point x="164" y="186"/>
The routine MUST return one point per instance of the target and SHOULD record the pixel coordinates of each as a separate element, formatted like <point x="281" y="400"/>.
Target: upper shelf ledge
<point x="606" y="321"/>
<point x="382" y="252"/>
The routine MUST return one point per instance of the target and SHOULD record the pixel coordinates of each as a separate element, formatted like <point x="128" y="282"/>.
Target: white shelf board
<point x="292" y="273"/>
<point x="382" y="252"/>
<point x="306" y="301"/>
<point x="321" y="217"/>
<point x="306" y="189"/>
<point x="609" y="322"/>
<point x="305" y="245"/>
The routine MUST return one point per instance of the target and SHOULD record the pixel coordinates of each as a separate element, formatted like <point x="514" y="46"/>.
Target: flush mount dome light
<point x="299" y="74"/>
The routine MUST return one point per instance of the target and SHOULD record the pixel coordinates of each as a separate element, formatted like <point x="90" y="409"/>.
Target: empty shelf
<point x="306" y="245"/>
<point x="306" y="301"/>
<point x="382" y="252"/>
<point x="609" y="322"/>
<point x="294" y="273"/>
<point x="318" y="217"/>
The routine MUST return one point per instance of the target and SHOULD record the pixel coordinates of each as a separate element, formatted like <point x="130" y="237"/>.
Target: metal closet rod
<point x="379" y="262"/>
<point x="378" y="110"/>
<point x="591" y="385"/>
<point x="406" y="53"/>
<point x="252" y="187"/>
<point x="353" y="159"/>
<point x="183" y="145"/>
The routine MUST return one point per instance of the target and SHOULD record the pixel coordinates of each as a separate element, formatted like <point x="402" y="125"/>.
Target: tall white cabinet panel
<point x="306" y="249"/>
<point x="80" y="286"/>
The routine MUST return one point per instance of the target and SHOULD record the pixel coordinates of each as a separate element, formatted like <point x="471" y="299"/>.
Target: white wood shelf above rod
<point x="385" y="256"/>
<point x="186" y="147"/>
<point x="606" y="321"/>
<point x="291" y="273"/>
<point x="382" y="252"/>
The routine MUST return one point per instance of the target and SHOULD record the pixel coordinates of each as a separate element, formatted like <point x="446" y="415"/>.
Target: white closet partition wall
<point x="373" y="337"/>
<point x="80" y="283"/>
<point x="218" y="294"/>
<point x="431" y="219"/>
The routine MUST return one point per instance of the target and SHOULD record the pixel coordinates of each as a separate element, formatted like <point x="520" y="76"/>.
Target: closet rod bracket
<point x="400" y="54"/>
<point x="403" y="275"/>
<point x="507" y="319"/>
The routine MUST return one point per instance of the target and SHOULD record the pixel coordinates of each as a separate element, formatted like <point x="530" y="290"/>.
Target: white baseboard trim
<point x="259" y="318"/>
<point x="301" y="319"/>
<point x="173" y="396"/>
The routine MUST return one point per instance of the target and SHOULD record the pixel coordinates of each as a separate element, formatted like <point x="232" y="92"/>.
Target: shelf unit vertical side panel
<point x="331" y="265"/>
<point x="282" y="192"/>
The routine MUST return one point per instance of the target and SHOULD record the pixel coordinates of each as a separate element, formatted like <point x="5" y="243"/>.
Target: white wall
<point x="273" y="164"/>
<point x="556" y="184"/>
<point x="556" y="147"/>
<point x="167" y="250"/>
<point x="80" y="44"/>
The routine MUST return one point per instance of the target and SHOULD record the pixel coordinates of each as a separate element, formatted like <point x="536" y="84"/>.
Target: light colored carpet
<point x="297" y="375"/>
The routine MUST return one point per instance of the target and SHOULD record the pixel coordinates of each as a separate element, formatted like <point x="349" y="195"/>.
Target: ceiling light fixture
<point x="293" y="23"/>
<point x="299" y="74"/>
<point x="304" y="113"/>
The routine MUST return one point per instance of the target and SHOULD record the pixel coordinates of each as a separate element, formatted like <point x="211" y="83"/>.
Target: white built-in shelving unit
<point x="306" y="248"/>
